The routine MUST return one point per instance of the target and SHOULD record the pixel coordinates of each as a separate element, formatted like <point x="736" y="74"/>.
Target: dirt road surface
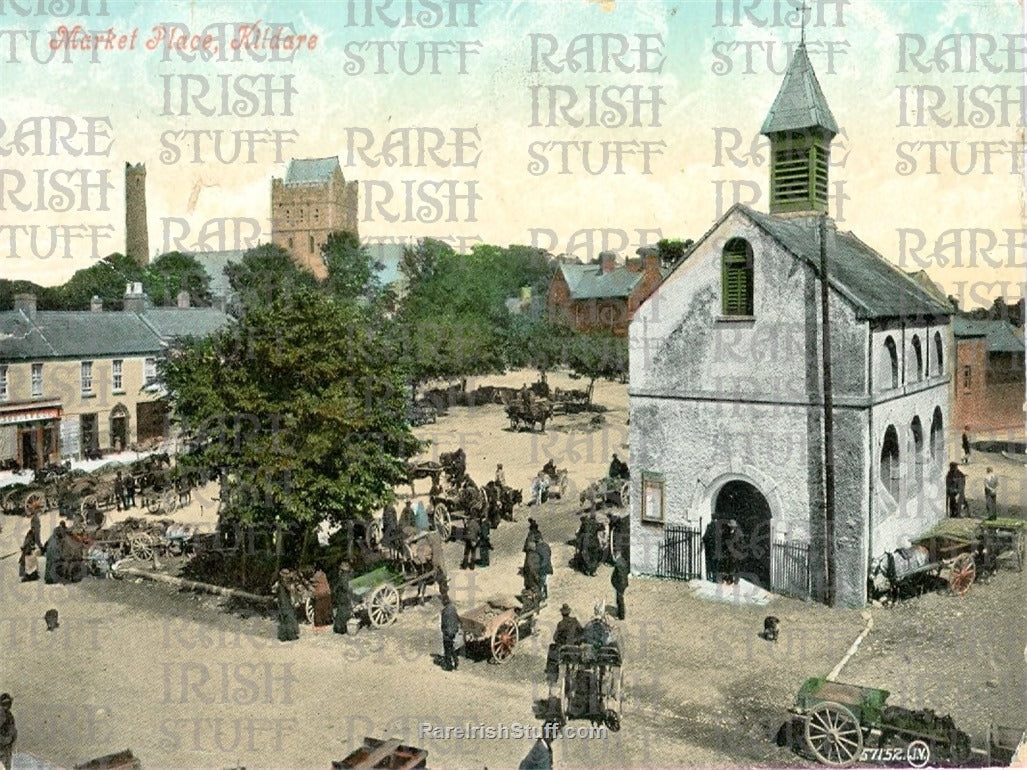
<point x="186" y="683"/>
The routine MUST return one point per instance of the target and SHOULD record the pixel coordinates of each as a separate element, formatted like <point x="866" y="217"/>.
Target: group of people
<point x="65" y="556"/>
<point x="955" y="492"/>
<point x="723" y="549"/>
<point x="333" y="603"/>
<point x="124" y="491"/>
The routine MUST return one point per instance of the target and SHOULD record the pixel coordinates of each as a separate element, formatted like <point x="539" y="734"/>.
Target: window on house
<point x="918" y="359"/>
<point x="917" y="435"/>
<point x="937" y="437"/>
<point x="939" y="355"/>
<point x="890" y="461"/>
<point x="966" y="379"/>
<point x="37" y="379"/>
<point x="117" y="380"/>
<point x="3" y="382"/>
<point x="87" y="378"/>
<point x="652" y="497"/>
<point x="893" y="361"/>
<point x="737" y="278"/>
<point x="150" y="371"/>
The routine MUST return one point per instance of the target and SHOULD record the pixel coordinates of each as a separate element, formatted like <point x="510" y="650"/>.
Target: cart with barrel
<point x="838" y="721"/>
<point x="493" y="629"/>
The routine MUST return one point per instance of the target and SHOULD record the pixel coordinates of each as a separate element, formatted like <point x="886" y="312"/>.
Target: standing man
<point x="8" y="732"/>
<point x="991" y="494"/>
<point x="500" y="476"/>
<point x="955" y="490"/>
<point x="34" y="528"/>
<point x="472" y="535"/>
<point x="390" y="528"/>
<point x="484" y="544"/>
<point x="593" y="549"/>
<point x="711" y="550"/>
<point x="130" y="492"/>
<point x="288" y="626"/>
<point x="450" y="626"/>
<point x="342" y="600"/>
<point x="545" y="557"/>
<point x="619" y="580"/>
<point x="407" y="517"/>
<point x="531" y="571"/>
<point x="119" y="491"/>
<point x="966" y="444"/>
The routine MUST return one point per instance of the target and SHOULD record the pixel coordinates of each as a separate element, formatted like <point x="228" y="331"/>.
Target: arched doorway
<point x="741" y="501"/>
<point x="119" y="428"/>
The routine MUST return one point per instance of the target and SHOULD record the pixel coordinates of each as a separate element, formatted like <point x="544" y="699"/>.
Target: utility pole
<point x="829" y="555"/>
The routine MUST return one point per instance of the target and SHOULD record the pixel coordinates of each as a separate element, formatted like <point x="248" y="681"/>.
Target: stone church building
<point x="727" y="383"/>
<point x="312" y="201"/>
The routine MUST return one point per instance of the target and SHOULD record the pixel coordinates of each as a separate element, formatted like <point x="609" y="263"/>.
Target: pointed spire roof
<point x="800" y="104"/>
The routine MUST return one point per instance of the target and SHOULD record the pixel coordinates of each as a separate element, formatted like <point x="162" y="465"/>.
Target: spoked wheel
<point x="308" y="609"/>
<point x="503" y="641"/>
<point x="35" y="502"/>
<point x="443" y="521"/>
<point x="383" y="606"/>
<point x="561" y="488"/>
<point x="625" y="494"/>
<point x="142" y="547"/>
<point x="153" y="503"/>
<point x="963" y="572"/>
<point x="833" y="734"/>
<point x="168" y="500"/>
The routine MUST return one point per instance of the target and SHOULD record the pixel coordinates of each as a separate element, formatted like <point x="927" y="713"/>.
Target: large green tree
<point x="173" y="272"/>
<point x="597" y="355"/>
<point x="264" y="274"/>
<point x="352" y="273"/>
<point x="304" y="404"/>
<point x="106" y="279"/>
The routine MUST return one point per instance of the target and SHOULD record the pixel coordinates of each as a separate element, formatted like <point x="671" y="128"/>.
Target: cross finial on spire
<point x="802" y="9"/>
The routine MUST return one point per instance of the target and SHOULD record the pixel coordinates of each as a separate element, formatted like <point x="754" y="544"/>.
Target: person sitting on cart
<point x="421" y="517"/>
<point x="392" y="537"/>
<point x="618" y="468"/>
<point x="407" y="517"/>
<point x="549" y="469"/>
<point x="597" y="632"/>
<point x="955" y="490"/>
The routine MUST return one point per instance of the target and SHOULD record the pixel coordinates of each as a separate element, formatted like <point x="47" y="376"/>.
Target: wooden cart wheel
<point x="443" y="521"/>
<point x="625" y="494"/>
<point x="152" y="502"/>
<point x="383" y="606"/>
<point x="963" y="572"/>
<point x="833" y="734"/>
<point x="142" y="547"/>
<point x="308" y="609"/>
<point x="503" y="641"/>
<point x="168" y="500"/>
<point x="561" y="489"/>
<point x="35" y="502"/>
<point x="89" y="503"/>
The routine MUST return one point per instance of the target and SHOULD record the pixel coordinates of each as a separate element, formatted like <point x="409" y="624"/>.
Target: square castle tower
<point x="312" y="201"/>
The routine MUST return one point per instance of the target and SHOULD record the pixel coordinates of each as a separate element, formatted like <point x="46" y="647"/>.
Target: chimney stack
<point x="607" y="262"/>
<point x="96" y="304"/>
<point x="135" y="300"/>
<point x="26" y="303"/>
<point x="183" y="299"/>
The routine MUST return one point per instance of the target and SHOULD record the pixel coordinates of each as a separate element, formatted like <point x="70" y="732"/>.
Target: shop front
<point x="29" y="435"/>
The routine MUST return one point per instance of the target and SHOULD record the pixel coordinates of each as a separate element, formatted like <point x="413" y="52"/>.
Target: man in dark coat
<point x="391" y="536"/>
<point x="966" y="444"/>
<point x="130" y="492"/>
<point x="619" y="580"/>
<point x="450" y="627"/>
<point x="533" y="536"/>
<point x="591" y="548"/>
<point x="407" y="517"/>
<point x="342" y="600"/>
<point x="54" y="554"/>
<point x="484" y="545"/>
<point x="545" y="558"/>
<point x="539" y="758"/>
<point x="955" y="490"/>
<point x="472" y="534"/>
<point x="531" y="571"/>
<point x="618" y="469"/>
<point x="711" y="550"/>
<point x="8" y="731"/>
<point x="731" y="551"/>
<point x="35" y="527"/>
<point x="288" y="626"/>
<point x="119" y="491"/>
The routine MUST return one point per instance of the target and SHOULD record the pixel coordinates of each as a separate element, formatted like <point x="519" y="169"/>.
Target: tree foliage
<point x="106" y="279"/>
<point x="173" y="272"/>
<point x="265" y="274"/>
<point x="597" y="355"/>
<point x="352" y="273"/>
<point x="304" y="404"/>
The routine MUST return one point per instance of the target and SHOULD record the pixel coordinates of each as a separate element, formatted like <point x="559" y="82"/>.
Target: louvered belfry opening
<point x="799" y="172"/>
<point x="737" y="278"/>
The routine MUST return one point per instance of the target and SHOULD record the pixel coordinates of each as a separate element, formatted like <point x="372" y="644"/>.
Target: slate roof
<point x="874" y="286"/>
<point x="85" y="334"/>
<point x="800" y="103"/>
<point x="1001" y="335"/>
<point x="311" y="170"/>
<point x="589" y="281"/>
<point x="171" y="322"/>
<point x="214" y="263"/>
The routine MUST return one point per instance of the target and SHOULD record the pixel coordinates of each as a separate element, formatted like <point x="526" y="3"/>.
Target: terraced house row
<point x="77" y="383"/>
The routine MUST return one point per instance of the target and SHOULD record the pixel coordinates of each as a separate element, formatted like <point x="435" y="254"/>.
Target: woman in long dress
<point x="322" y="601"/>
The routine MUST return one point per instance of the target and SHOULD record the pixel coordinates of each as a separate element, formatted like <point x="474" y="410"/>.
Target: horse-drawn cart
<point x="839" y="719"/>
<point x="607" y="491"/>
<point x="590" y="684"/>
<point x="526" y="415"/>
<point x="498" y="625"/>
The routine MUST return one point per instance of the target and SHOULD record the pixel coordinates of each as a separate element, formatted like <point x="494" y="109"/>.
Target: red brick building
<point x="988" y="381"/>
<point x="602" y="295"/>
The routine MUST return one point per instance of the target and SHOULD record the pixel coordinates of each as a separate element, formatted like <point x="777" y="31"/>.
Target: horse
<point x="501" y="502"/>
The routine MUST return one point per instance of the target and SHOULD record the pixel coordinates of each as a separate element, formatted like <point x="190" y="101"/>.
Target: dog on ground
<point x="770" y="624"/>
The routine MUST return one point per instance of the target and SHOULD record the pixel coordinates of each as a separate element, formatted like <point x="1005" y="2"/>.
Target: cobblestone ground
<point x="186" y="683"/>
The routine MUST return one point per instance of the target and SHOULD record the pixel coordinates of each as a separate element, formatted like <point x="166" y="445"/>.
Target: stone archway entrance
<point x="119" y="428"/>
<point x="741" y="501"/>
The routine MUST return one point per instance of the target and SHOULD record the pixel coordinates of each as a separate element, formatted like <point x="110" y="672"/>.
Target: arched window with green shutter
<point x="737" y="278"/>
